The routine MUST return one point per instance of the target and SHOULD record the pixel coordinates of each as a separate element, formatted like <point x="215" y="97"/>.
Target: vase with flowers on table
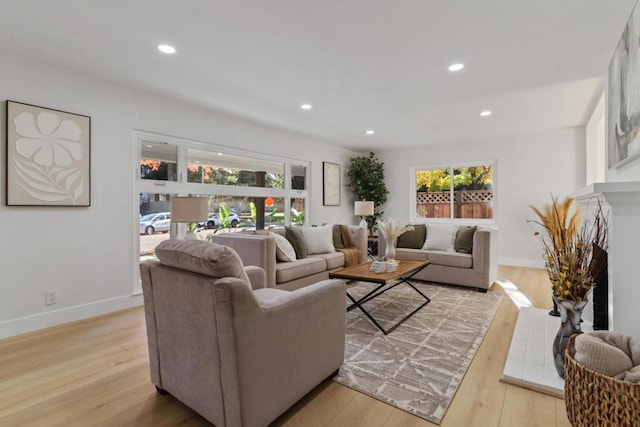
<point x="390" y="229"/>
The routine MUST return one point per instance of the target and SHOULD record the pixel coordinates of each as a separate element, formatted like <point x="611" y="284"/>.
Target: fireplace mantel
<point x="623" y="201"/>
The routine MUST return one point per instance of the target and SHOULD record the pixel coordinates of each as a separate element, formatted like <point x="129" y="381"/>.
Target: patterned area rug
<point x="419" y="366"/>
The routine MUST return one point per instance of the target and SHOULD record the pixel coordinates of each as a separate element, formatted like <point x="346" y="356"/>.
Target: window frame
<point x="182" y="187"/>
<point x="413" y="216"/>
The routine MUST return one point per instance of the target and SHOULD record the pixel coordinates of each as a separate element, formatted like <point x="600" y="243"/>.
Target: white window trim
<point x="414" y="218"/>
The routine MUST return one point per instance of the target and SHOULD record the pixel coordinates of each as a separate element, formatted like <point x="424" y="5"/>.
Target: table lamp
<point x="190" y="210"/>
<point x="363" y="209"/>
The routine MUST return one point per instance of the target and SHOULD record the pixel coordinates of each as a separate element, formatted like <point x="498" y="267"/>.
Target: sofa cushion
<point x="413" y="254"/>
<point x="464" y="239"/>
<point x="450" y="259"/>
<point x="284" y="249"/>
<point x="413" y="239"/>
<point x="319" y="240"/>
<point x="295" y="237"/>
<point x="333" y="259"/>
<point x="440" y="237"/>
<point x="288" y="271"/>
<point x="201" y="257"/>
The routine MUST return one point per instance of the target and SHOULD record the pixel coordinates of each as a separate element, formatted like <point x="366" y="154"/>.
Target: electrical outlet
<point x="51" y="297"/>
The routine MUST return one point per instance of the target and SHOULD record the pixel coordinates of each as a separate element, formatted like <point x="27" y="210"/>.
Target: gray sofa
<point x="234" y="351"/>
<point x="479" y="269"/>
<point x="260" y="250"/>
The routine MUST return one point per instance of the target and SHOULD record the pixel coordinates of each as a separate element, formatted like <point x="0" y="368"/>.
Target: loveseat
<point x="458" y="255"/>
<point x="260" y="249"/>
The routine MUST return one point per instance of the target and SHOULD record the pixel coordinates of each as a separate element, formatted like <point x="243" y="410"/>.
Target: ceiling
<point x="362" y="64"/>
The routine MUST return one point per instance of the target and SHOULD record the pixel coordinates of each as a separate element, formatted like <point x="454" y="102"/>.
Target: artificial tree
<point x="365" y="179"/>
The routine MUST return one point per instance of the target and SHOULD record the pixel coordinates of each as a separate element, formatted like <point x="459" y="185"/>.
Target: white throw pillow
<point x="284" y="249"/>
<point x="440" y="237"/>
<point x="319" y="240"/>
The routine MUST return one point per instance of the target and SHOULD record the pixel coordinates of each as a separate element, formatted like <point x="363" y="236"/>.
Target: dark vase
<point x="570" y="318"/>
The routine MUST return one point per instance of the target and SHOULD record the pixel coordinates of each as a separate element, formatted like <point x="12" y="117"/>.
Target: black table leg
<point x="378" y="291"/>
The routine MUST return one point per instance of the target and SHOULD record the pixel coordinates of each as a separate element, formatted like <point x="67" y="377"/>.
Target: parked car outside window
<point x="214" y="221"/>
<point x="151" y="223"/>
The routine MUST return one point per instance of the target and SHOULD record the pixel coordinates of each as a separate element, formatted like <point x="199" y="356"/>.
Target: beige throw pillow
<point x="440" y="237"/>
<point x="201" y="257"/>
<point x="319" y="240"/>
<point x="284" y="249"/>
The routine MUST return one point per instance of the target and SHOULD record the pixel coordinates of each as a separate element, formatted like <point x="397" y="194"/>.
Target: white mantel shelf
<point x="623" y="201"/>
<point x="618" y="192"/>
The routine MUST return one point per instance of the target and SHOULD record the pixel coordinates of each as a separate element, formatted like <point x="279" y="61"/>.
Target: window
<point x="158" y="161"/>
<point x="454" y="192"/>
<point x="240" y="186"/>
<point x="223" y="168"/>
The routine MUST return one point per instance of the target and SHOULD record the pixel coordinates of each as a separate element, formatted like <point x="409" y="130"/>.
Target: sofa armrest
<point x="485" y="255"/>
<point x="254" y="249"/>
<point x="358" y="236"/>
<point x="257" y="276"/>
<point x="280" y="349"/>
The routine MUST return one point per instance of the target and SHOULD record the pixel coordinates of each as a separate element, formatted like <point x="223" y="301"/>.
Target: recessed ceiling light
<point x="456" y="67"/>
<point x="306" y="106"/>
<point x="165" y="48"/>
<point x="219" y="154"/>
<point x="485" y="113"/>
<point x="370" y="132"/>
<point x="149" y="146"/>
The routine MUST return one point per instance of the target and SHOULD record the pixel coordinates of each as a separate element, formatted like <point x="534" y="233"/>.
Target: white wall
<point x="530" y="167"/>
<point x="596" y="162"/>
<point x="87" y="254"/>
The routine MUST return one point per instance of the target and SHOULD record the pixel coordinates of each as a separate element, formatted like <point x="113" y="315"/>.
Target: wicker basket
<point x="594" y="399"/>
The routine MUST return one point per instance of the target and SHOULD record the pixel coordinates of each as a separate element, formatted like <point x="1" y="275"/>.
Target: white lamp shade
<point x="189" y="209"/>
<point x="364" y="208"/>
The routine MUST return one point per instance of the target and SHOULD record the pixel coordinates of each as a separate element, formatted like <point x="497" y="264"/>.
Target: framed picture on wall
<point x="330" y="184"/>
<point x="623" y="103"/>
<point x="48" y="157"/>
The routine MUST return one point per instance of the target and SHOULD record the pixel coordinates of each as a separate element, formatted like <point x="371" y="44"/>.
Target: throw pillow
<point x="337" y="237"/>
<point x="440" y="237"/>
<point x="413" y="239"/>
<point x="201" y="257"/>
<point x="464" y="239"/>
<point x="319" y="240"/>
<point x="284" y="250"/>
<point x="295" y="237"/>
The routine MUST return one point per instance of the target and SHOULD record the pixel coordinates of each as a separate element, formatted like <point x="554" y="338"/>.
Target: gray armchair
<point x="238" y="354"/>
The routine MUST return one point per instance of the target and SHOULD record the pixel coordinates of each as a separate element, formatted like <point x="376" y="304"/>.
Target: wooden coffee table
<point x="405" y="271"/>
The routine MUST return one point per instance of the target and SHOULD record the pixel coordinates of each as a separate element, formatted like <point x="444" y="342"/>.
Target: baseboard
<point x="521" y="262"/>
<point x="21" y="325"/>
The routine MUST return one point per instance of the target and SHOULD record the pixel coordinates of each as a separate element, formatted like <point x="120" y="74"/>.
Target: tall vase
<point x="570" y="317"/>
<point x="390" y="249"/>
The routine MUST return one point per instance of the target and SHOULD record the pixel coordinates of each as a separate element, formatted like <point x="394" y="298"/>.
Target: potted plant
<point x="365" y="179"/>
<point x="575" y="255"/>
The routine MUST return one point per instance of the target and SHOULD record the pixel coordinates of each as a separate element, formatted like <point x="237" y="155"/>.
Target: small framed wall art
<point x="330" y="184"/>
<point x="48" y="155"/>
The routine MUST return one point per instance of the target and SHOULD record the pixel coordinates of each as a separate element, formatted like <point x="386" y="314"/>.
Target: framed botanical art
<point x="330" y="184"/>
<point x="48" y="155"/>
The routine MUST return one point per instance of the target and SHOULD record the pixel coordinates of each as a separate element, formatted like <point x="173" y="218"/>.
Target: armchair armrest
<point x="280" y="348"/>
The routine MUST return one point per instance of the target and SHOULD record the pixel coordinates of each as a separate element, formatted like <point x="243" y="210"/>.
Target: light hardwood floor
<point x="95" y="372"/>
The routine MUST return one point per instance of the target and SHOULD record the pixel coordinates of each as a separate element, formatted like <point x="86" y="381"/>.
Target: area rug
<point x="419" y="366"/>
